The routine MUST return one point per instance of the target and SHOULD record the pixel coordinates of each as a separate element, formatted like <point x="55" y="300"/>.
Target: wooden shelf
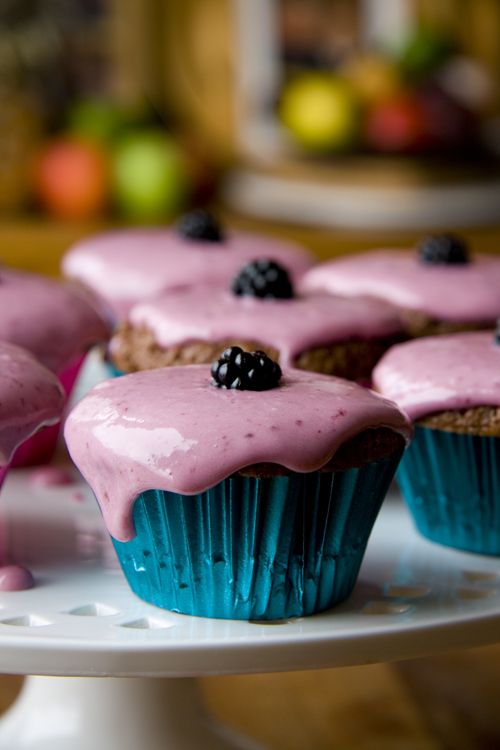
<point x="37" y="244"/>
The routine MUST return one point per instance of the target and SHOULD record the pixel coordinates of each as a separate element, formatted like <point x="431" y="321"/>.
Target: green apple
<point x="149" y="176"/>
<point x="320" y="111"/>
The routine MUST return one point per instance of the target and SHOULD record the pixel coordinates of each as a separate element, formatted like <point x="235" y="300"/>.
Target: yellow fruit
<point x="320" y="112"/>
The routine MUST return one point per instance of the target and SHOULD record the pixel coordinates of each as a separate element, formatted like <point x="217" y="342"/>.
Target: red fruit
<point x="396" y="125"/>
<point x="71" y="179"/>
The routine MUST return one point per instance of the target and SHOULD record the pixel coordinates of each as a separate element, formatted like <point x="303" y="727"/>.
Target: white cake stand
<point x="413" y="598"/>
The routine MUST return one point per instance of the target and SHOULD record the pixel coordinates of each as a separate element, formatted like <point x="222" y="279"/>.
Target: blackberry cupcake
<point x="439" y="286"/>
<point x="31" y="397"/>
<point x="450" y="475"/>
<point x="128" y="266"/>
<point x="57" y="324"/>
<point x="321" y="333"/>
<point x="250" y="500"/>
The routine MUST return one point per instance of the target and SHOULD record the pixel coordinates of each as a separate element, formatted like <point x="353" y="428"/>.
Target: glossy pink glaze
<point x="15" y="578"/>
<point x="41" y="446"/>
<point x="125" y="267"/>
<point x="171" y="429"/>
<point x="30" y="397"/>
<point x="441" y="372"/>
<point x="460" y="293"/>
<point x="291" y="326"/>
<point x="53" y="320"/>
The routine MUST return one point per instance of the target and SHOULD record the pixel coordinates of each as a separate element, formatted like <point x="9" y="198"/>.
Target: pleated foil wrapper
<point x="254" y="548"/>
<point x="451" y="484"/>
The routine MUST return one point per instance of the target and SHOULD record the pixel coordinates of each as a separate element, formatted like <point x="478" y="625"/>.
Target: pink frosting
<point x="441" y="372"/>
<point x="460" y="293"/>
<point x="291" y="325"/>
<point x="30" y="397"/>
<point x="171" y="429"/>
<point x="52" y="320"/>
<point x="15" y="578"/>
<point x="128" y="266"/>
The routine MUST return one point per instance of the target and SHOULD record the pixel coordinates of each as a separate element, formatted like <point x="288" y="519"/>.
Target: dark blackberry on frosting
<point x="443" y="249"/>
<point x="201" y="226"/>
<point x="127" y="266"/>
<point x="440" y="287"/>
<point x="263" y="278"/>
<point x="335" y="336"/>
<point x="245" y="371"/>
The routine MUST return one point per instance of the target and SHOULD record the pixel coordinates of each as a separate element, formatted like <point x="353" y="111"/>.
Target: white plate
<point x="412" y="598"/>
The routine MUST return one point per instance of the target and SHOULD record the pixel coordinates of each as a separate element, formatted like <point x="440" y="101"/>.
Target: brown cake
<point x="320" y="333"/>
<point x="440" y="287"/>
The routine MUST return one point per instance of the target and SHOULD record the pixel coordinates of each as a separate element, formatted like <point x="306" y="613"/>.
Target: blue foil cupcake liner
<point x="255" y="548"/>
<point x="451" y="484"/>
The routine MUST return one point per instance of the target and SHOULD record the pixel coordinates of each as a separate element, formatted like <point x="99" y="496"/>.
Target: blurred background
<point x="366" y="114"/>
<point x="343" y="124"/>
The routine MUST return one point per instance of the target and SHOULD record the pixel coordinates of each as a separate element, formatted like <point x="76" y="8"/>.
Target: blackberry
<point x="201" y="226"/>
<point x="246" y="371"/>
<point x="263" y="278"/>
<point x="443" y="249"/>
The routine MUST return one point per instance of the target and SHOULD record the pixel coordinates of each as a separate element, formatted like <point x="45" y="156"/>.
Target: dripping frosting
<point x="171" y="429"/>
<point x="127" y="266"/>
<point x="455" y="293"/>
<point x="290" y="325"/>
<point x="52" y="320"/>
<point x="30" y="397"/>
<point x="438" y="373"/>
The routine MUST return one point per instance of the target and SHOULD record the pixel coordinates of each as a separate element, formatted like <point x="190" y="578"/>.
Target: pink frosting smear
<point x="441" y="372"/>
<point x="171" y="429"/>
<point x="15" y="578"/>
<point x="52" y="320"/>
<point x="40" y="447"/>
<point x="460" y="293"/>
<point x="30" y="397"/>
<point x="289" y="325"/>
<point x="128" y="266"/>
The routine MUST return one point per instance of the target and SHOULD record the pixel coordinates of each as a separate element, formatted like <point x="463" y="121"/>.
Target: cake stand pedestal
<point x="90" y="713"/>
<point x="89" y="635"/>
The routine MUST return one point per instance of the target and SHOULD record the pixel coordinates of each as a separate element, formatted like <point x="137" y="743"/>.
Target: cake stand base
<point x="108" y="651"/>
<point x="89" y="713"/>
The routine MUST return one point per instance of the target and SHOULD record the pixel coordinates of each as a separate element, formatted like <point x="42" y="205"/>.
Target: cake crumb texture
<point x="479" y="420"/>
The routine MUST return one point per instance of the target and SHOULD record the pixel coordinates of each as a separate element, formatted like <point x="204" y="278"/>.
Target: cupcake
<point x="450" y="476"/>
<point x="321" y="333"/>
<point x="440" y="287"/>
<point x="251" y="500"/>
<point x="57" y="324"/>
<point x="128" y="266"/>
<point x="30" y="398"/>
